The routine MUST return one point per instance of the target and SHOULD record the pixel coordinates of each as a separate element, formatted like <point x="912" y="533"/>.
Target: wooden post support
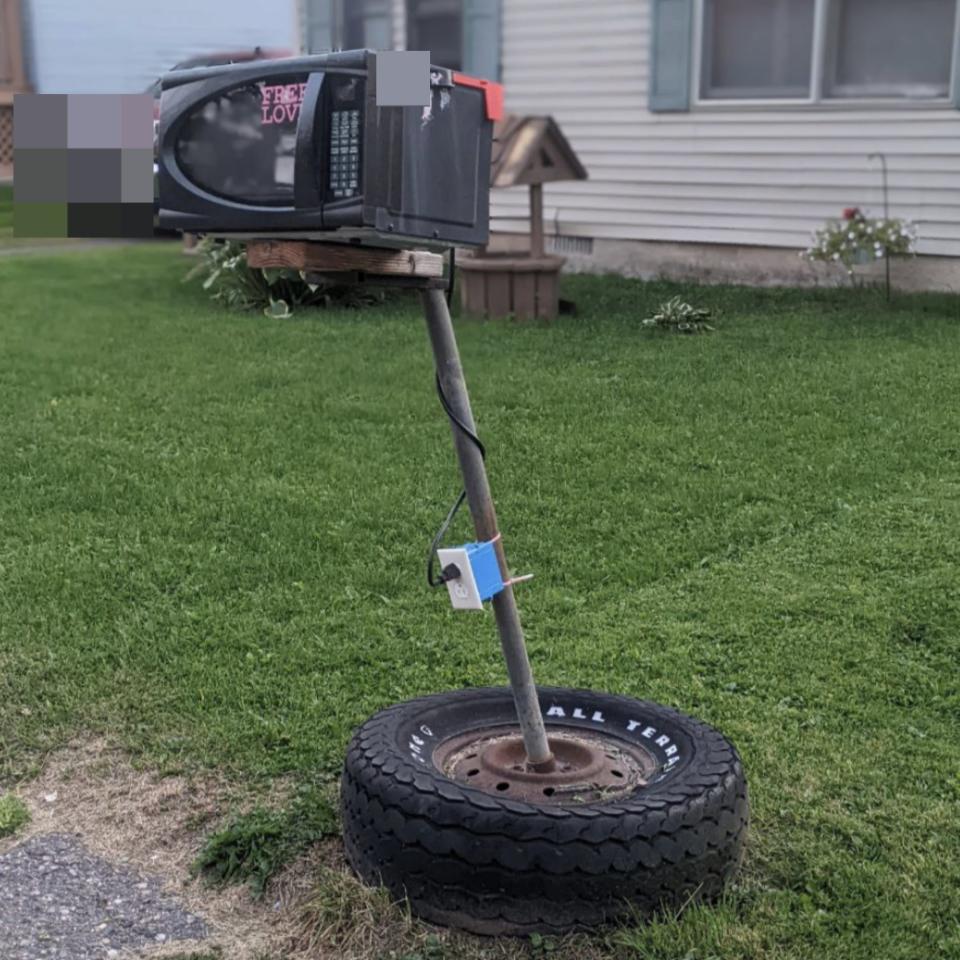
<point x="13" y="77"/>
<point x="323" y="257"/>
<point x="536" y="221"/>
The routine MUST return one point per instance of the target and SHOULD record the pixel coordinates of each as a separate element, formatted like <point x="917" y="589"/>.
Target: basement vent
<point x="562" y="244"/>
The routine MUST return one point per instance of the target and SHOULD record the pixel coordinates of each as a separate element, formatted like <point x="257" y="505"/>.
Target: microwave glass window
<point x="241" y="143"/>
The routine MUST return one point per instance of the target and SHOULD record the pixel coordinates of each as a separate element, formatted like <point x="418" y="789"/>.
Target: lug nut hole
<point x="472" y="773"/>
<point x="503" y="786"/>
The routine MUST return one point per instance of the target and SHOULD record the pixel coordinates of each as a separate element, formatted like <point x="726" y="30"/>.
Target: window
<point x="814" y="50"/>
<point x="367" y="23"/>
<point x="890" y="48"/>
<point x="437" y="26"/>
<point x="460" y="34"/>
<point x="757" y="48"/>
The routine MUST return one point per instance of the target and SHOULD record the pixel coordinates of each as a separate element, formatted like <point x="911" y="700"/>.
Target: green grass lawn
<point x="213" y="530"/>
<point x="6" y="212"/>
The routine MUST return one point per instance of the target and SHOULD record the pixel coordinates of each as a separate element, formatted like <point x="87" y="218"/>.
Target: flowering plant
<point x="860" y="239"/>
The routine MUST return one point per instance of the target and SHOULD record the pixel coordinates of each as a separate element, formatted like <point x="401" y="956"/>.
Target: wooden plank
<point x="342" y="258"/>
<point x="548" y="295"/>
<point x="11" y="36"/>
<point x="499" y="294"/>
<point x="525" y="296"/>
<point x="473" y="293"/>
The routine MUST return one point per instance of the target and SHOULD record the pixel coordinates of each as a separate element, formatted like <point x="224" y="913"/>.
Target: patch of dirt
<point x="157" y="825"/>
<point x="314" y="910"/>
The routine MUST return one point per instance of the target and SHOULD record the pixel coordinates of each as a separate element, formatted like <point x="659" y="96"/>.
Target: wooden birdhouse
<point x="532" y="151"/>
<point x="527" y="151"/>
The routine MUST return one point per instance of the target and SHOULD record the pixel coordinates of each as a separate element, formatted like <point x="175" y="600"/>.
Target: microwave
<point x="300" y="148"/>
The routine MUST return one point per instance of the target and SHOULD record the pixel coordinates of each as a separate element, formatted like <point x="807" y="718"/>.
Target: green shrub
<point x="223" y="266"/>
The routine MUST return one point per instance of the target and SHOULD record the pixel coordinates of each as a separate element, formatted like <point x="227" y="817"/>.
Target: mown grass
<point x="6" y="211"/>
<point x="213" y="528"/>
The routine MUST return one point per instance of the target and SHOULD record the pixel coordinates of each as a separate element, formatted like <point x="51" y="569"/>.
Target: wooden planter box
<point x="510" y="285"/>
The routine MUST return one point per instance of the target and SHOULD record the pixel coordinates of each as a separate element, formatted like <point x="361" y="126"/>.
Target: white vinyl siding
<point x="766" y="175"/>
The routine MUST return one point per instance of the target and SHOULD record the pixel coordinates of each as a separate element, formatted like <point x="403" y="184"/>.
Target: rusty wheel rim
<point x="589" y="767"/>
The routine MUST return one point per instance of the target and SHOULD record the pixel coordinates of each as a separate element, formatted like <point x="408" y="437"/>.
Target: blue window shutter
<point x="670" y="55"/>
<point x="318" y="25"/>
<point x="481" y="38"/>
<point x="956" y="65"/>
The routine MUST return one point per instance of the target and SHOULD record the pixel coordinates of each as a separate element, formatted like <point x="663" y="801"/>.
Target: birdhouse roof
<point x="529" y="150"/>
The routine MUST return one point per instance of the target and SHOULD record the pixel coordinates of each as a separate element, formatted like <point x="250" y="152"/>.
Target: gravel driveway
<point x="60" y="902"/>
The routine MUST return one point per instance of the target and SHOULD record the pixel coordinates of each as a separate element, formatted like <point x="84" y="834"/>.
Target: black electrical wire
<point x="458" y="423"/>
<point x="453" y="275"/>
<point x="435" y="581"/>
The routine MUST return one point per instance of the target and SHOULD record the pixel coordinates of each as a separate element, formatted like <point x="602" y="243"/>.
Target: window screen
<point x="437" y="26"/>
<point x="757" y="48"/>
<point x="890" y="48"/>
<point x="241" y="144"/>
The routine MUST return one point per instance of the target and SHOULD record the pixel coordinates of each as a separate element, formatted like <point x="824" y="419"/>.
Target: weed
<point x="679" y="316"/>
<point x="254" y="846"/>
<point x="13" y="814"/>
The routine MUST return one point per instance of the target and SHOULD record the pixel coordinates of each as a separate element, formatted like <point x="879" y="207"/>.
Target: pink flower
<point x="852" y="213"/>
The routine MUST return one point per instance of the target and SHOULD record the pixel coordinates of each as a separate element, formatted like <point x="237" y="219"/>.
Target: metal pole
<point x="475" y="482"/>
<point x="882" y="157"/>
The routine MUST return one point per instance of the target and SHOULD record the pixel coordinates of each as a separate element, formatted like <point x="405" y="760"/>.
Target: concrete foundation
<point x="754" y="266"/>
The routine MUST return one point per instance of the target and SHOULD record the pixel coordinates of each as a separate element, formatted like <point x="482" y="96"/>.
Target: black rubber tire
<point x="490" y="865"/>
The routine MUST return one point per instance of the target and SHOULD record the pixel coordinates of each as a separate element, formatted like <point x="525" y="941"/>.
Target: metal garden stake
<point x="480" y="501"/>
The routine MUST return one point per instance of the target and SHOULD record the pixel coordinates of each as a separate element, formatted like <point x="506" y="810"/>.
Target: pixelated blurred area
<point x="84" y="165"/>
<point x="403" y="78"/>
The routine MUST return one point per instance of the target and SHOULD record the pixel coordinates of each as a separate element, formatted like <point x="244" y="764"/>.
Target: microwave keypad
<point x="344" y="153"/>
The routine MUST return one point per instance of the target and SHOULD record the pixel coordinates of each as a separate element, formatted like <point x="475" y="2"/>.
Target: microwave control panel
<point x="345" y="134"/>
<point x="344" y="153"/>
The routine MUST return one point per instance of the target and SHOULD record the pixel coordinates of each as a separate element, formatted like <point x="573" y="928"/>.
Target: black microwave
<point x="300" y="148"/>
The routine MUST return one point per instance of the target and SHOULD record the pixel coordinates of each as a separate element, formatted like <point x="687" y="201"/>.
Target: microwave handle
<point x="309" y="170"/>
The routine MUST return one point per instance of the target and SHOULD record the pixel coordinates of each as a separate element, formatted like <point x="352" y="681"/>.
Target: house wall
<point x="744" y="177"/>
<point x="119" y="46"/>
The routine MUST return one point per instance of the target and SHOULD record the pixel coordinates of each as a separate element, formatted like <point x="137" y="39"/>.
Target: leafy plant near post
<point x="226" y="274"/>
<point x="858" y="239"/>
<point x="681" y="317"/>
<point x="253" y="847"/>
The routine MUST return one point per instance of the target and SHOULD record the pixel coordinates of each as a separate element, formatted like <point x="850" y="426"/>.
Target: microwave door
<point x="309" y="167"/>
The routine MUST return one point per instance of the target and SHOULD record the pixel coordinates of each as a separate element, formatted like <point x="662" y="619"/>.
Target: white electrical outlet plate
<point x="463" y="591"/>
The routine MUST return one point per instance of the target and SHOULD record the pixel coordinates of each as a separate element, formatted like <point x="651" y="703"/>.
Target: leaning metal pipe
<point x="475" y="482"/>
